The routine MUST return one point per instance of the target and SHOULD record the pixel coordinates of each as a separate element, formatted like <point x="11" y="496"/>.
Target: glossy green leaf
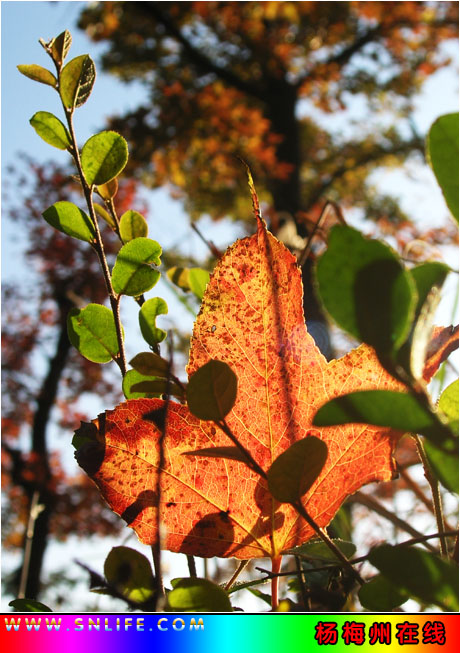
<point x="366" y="290"/>
<point x="133" y="225"/>
<point x="419" y="574"/>
<point x="147" y="320"/>
<point x="381" y="595"/>
<point x="442" y="154"/>
<point x="68" y="218"/>
<point x="77" y="80"/>
<point x="197" y="595"/>
<point x="382" y="408"/>
<point x="133" y="273"/>
<point x="150" y="364"/>
<point x="211" y="391"/>
<point x="38" y="74"/>
<point x="427" y="276"/>
<point x="318" y="550"/>
<point x="60" y="46"/>
<point x="92" y="331"/>
<point x="296" y="469"/>
<point x="109" y="190"/>
<point x="130" y="574"/>
<point x="134" y="378"/>
<point x="51" y="130"/>
<point x="29" y="605"/>
<point x="103" y="157"/>
<point x="198" y="280"/>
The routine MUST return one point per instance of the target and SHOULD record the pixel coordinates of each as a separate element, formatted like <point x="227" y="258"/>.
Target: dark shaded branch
<point x="199" y="58"/>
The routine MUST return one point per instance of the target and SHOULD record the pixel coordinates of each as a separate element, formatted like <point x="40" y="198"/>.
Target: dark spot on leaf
<point x="170" y="504"/>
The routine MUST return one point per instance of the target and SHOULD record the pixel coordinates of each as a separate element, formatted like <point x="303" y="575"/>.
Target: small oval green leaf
<point x="68" y="218"/>
<point x="448" y="404"/>
<point x="76" y="82"/>
<point x="366" y="290"/>
<point x="147" y="320"/>
<point x="197" y="595"/>
<point x="442" y="154"/>
<point x="129" y="573"/>
<point x="103" y="157"/>
<point x="444" y="464"/>
<point x="198" y="280"/>
<point x="179" y="277"/>
<point x="109" y="190"/>
<point x="92" y="331"/>
<point x="51" y="130"/>
<point x="133" y="378"/>
<point x="296" y="469"/>
<point x="380" y="595"/>
<point x="211" y="391"/>
<point x="60" y="46"/>
<point x="133" y="273"/>
<point x="133" y="225"/>
<point x="29" y="605"/>
<point x="105" y="215"/>
<point x="150" y="364"/>
<point x="38" y="74"/>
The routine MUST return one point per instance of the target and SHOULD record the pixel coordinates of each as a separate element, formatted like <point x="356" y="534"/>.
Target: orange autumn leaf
<point x="252" y="319"/>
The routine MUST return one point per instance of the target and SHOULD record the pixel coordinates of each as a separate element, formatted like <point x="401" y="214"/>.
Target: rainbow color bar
<point x="229" y="633"/>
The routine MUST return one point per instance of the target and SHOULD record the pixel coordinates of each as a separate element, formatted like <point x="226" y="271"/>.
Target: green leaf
<point x="133" y="378"/>
<point x="381" y="595"/>
<point x="318" y="550"/>
<point x="382" y="408"/>
<point x="92" y="331"/>
<point x="150" y="364"/>
<point x="60" y="46"/>
<point x="29" y="605"/>
<point x="179" y="277"/>
<point x="76" y="82"/>
<point x="448" y="404"/>
<point x="129" y="572"/>
<point x="133" y="273"/>
<point x="109" y="190"/>
<point x="198" y="280"/>
<point x="197" y="595"/>
<point x="211" y="391"/>
<point x="51" y="130"/>
<point x="296" y="469"/>
<point x="147" y="320"/>
<point x="68" y="218"/>
<point x="105" y="215"/>
<point x="103" y="157"/>
<point x="419" y="574"/>
<point x="442" y="154"/>
<point x="444" y="465"/>
<point x="38" y="74"/>
<point x="429" y="278"/>
<point x="158" y="386"/>
<point x="133" y="225"/>
<point x="230" y="453"/>
<point x="366" y="290"/>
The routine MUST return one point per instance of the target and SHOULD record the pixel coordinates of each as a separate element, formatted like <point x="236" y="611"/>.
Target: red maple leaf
<point x="252" y="319"/>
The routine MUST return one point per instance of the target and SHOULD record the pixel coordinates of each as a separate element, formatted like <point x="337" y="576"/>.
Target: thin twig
<point x="324" y="213"/>
<point x="434" y="485"/>
<point x="243" y="564"/>
<point x="209" y="244"/>
<point x="191" y="566"/>
<point x="303" y="588"/>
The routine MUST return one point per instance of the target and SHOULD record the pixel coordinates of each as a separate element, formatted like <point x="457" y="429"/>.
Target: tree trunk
<point x="41" y="498"/>
<point x="281" y="110"/>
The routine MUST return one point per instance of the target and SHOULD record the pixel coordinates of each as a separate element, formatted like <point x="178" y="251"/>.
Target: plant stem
<point x="434" y="485"/>
<point x="243" y="564"/>
<point x="327" y="540"/>
<point x="276" y="566"/>
<point x="303" y="589"/>
<point x="191" y="566"/>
